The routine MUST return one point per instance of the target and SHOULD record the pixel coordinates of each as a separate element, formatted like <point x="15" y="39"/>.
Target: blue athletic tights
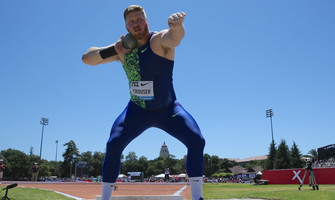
<point x="134" y="120"/>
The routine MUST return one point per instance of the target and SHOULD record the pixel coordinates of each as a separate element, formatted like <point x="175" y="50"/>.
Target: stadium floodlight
<point x="269" y="113"/>
<point x="44" y="122"/>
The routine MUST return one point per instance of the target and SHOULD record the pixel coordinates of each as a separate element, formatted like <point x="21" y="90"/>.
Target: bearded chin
<point x="141" y="35"/>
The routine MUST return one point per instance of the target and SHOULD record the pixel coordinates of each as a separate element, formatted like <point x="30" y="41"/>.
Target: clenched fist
<point x="176" y="19"/>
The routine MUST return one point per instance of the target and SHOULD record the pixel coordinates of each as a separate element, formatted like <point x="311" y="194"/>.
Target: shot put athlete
<point x="148" y="66"/>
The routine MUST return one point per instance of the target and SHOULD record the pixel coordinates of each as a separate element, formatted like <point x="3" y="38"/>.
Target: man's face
<point x="137" y="25"/>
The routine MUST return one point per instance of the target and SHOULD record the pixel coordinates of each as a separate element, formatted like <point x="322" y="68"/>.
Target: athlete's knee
<point x="113" y="154"/>
<point x="197" y="142"/>
<point x="201" y="143"/>
<point x="114" y="145"/>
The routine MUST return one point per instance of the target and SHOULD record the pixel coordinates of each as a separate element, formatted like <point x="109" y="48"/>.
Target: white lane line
<point x="67" y="195"/>
<point x="180" y="191"/>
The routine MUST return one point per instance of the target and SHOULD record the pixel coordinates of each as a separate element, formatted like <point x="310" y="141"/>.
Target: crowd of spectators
<point x="324" y="163"/>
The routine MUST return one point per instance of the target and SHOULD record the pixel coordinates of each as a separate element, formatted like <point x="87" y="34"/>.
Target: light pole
<point x="269" y="113"/>
<point x="56" y="150"/>
<point x="44" y="122"/>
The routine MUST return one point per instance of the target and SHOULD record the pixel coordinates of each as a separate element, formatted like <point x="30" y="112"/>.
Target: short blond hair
<point x="133" y="8"/>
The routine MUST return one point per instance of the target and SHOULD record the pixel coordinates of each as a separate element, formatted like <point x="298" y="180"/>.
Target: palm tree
<point x="314" y="154"/>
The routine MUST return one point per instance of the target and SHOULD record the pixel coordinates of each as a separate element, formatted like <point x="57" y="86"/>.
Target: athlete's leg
<point x="131" y="123"/>
<point x="181" y="125"/>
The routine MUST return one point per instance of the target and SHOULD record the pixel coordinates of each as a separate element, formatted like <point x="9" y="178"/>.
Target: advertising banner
<point x="295" y="176"/>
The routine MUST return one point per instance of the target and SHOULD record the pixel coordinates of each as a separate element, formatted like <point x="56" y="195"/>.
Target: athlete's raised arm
<point x="173" y="36"/>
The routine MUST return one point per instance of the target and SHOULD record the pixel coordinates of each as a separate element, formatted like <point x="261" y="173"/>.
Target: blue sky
<point x="238" y="59"/>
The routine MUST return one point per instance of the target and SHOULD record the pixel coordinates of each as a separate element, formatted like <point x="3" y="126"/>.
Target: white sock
<point x="196" y="187"/>
<point x="106" y="190"/>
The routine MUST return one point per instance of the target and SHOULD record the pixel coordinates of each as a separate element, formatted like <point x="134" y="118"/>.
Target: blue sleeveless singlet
<point x="150" y="77"/>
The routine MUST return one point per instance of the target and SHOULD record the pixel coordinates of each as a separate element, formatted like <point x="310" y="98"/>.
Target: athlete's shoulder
<point x="158" y="37"/>
<point x="154" y="35"/>
<point x="158" y="47"/>
<point x="157" y="34"/>
<point x="155" y="38"/>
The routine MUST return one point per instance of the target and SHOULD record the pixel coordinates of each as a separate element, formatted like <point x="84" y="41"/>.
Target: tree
<point x="282" y="160"/>
<point x="55" y="168"/>
<point x="96" y="164"/>
<point x="255" y="163"/>
<point x="130" y="164"/>
<point x="296" y="161"/>
<point x="143" y="164"/>
<point x="177" y="166"/>
<point x="86" y="156"/>
<point x="314" y="154"/>
<point x="152" y="169"/>
<point x="215" y="160"/>
<point x="271" y="157"/>
<point x="211" y="164"/>
<point x="225" y="164"/>
<point x="17" y="164"/>
<point x="171" y="163"/>
<point x="182" y="163"/>
<point x="44" y="168"/>
<point x="70" y="156"/>
<point x="207" y="165"/>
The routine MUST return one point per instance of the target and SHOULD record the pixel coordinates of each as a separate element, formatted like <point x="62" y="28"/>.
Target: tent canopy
<point x="122" y="176"/>
<point x="160" y="176"/>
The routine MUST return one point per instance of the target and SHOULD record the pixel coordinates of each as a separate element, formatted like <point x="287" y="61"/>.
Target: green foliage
<point x="211" y="164"/>
<point x="71" y="153"/>
<point x="96" y="164"/>
<point x="282" y="160"/>
<point x="17" y="163"/>
<point x="271" y="157"/>
<point x="55" y="168"/>
<point x="296" y="160"/>
<point x="152" y="167"/>
<point x="225" y="164"/>
<point x="207" y="165"/>
<point x="222" y="175"/>
<point x="131" y="163"/>
<point x="70" y="156"/>
<point x="314" y="154"/>
<point x="254" y="163"/>
<point x="152" y="170"/>
<point x="283" y="157"/>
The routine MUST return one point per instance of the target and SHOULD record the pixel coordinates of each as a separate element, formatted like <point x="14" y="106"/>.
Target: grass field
<point x="210" y="191"/>
<point x="32" y="194"/>
<point x="282" y="192"/>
